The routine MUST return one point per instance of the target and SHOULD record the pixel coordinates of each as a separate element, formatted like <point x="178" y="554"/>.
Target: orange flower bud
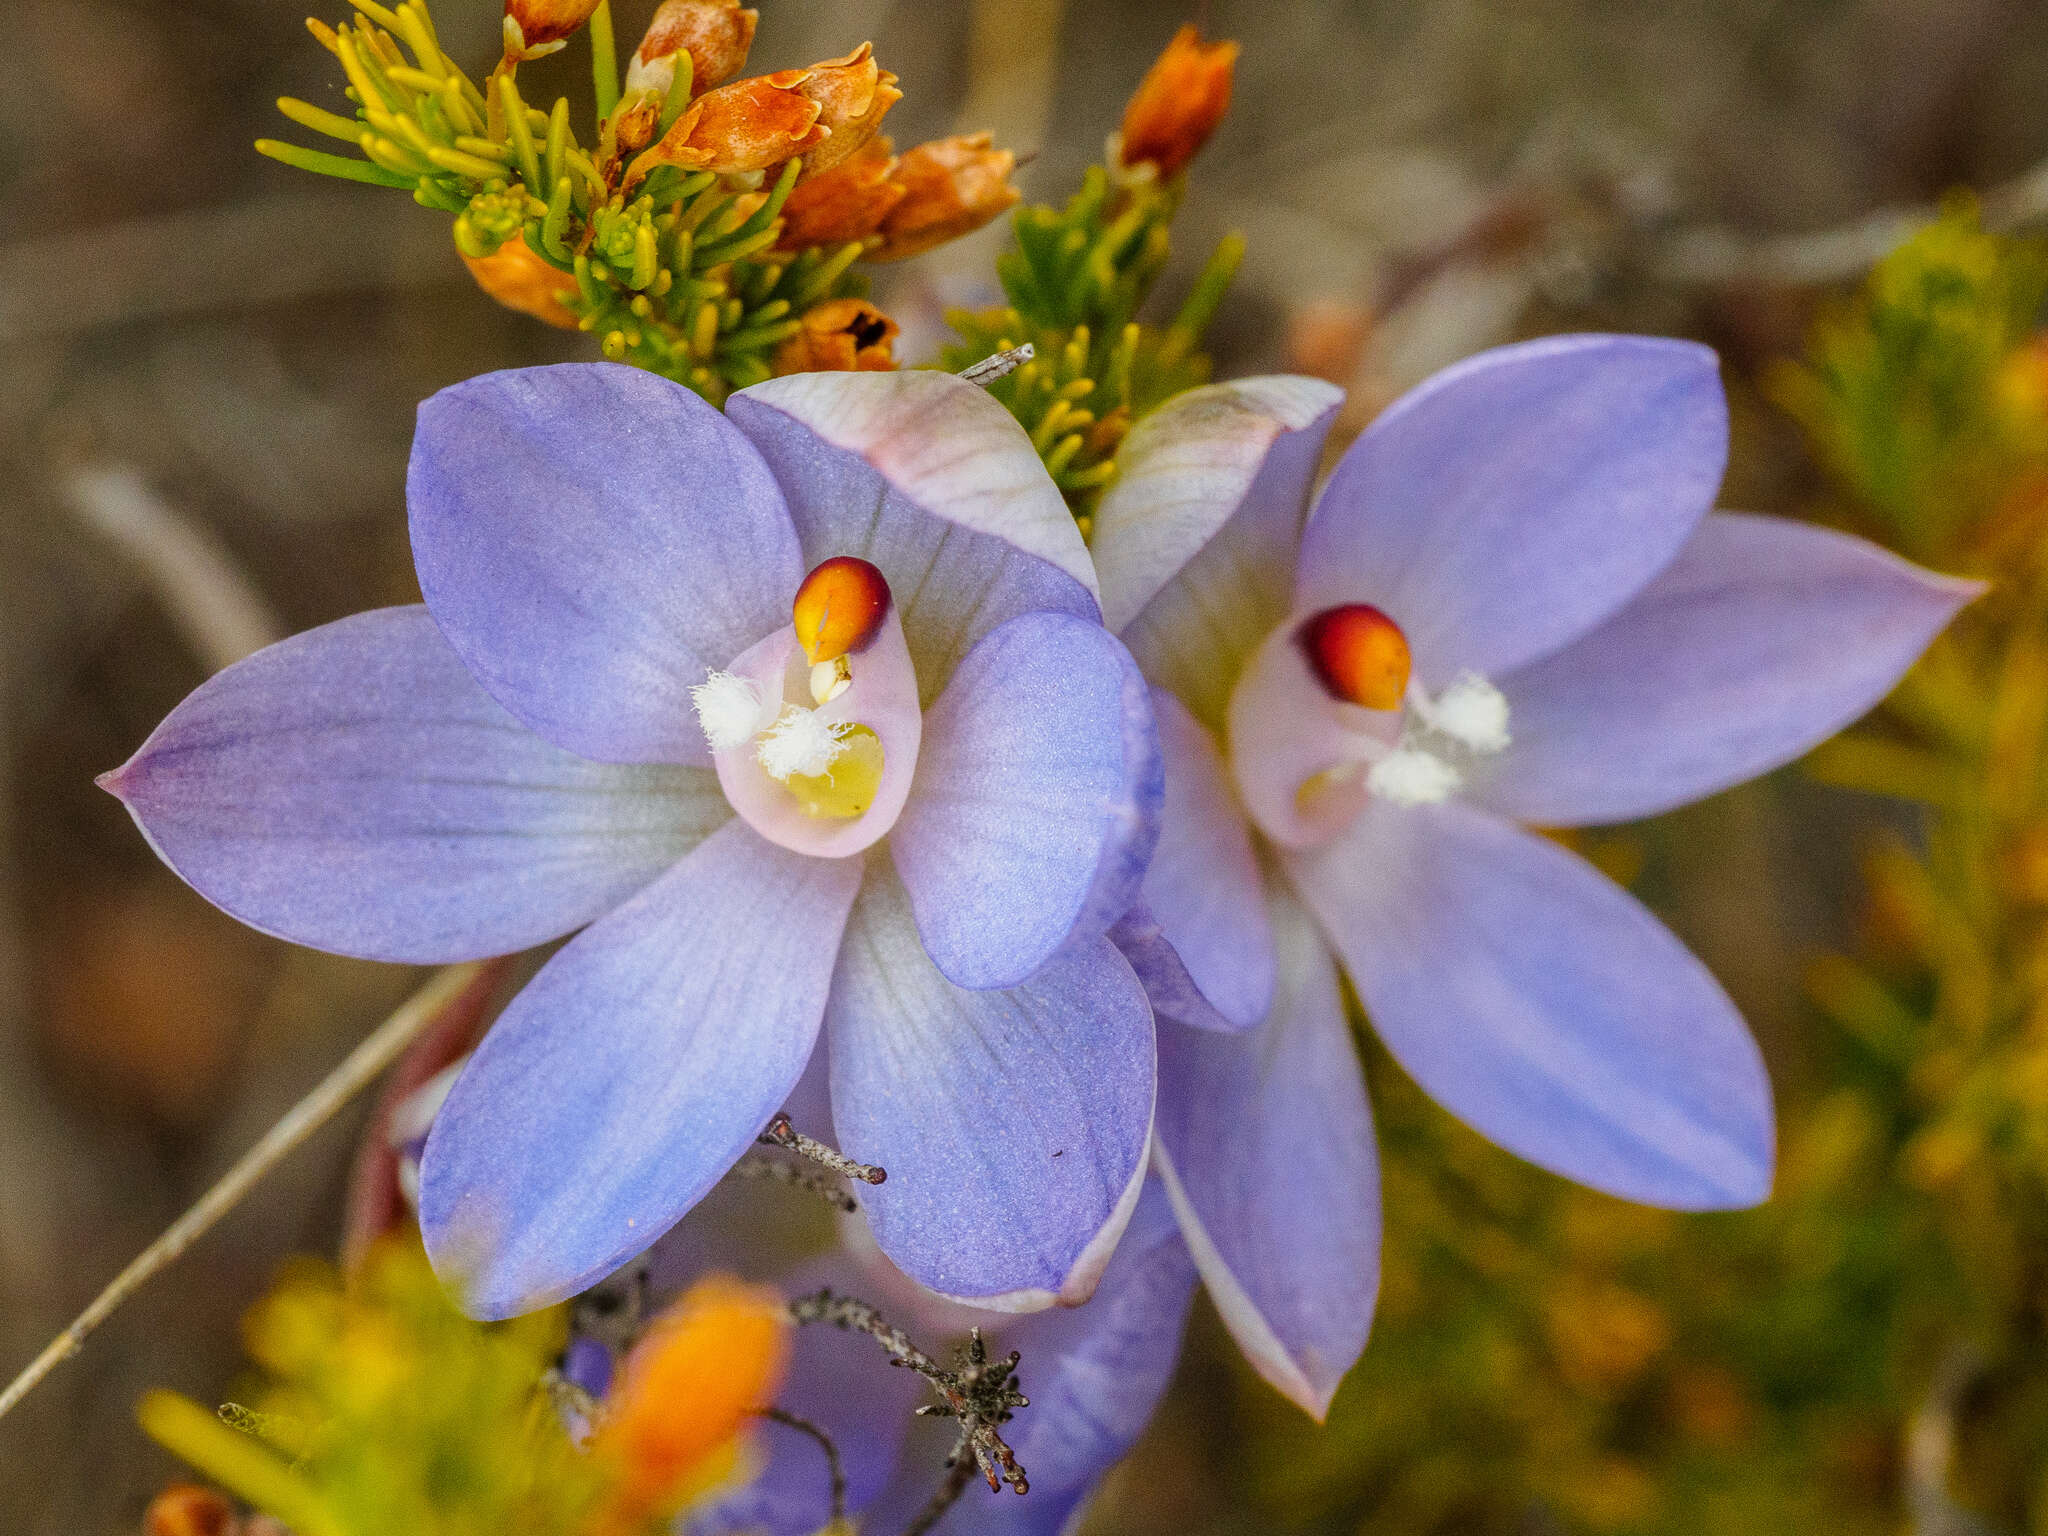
<point x="748" y="125"/>
<point x="188" y="1510"/>
<point x="848" y="202"/>
<point x="541" y="22"/>
<point x="839" y="608"/>
<point x="1178" y="104"/>
<point x="951" y="187"/>
<point x="823" y="113"/>
<point x="521" y="280"/>
<point x="716" y="34"/>
<point x="1359" y="654"/>
<point x="685" y="1394"/>
<point x="853" y="95"/>
<point x="840" y="336"/>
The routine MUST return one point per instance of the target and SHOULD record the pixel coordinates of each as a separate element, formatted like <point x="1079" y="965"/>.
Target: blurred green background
<point x="211" y="364"/>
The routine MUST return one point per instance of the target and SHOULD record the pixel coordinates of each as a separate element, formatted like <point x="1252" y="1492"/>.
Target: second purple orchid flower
<point x="1511" y="603"/>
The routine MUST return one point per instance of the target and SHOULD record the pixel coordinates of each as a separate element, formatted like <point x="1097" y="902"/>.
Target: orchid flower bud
<point x="519" y="279"/>
<point x="1178" y="104"/>
<point x="951" y="187"/>
<point x="540" y="26"/>
<point x="840" y="336"/>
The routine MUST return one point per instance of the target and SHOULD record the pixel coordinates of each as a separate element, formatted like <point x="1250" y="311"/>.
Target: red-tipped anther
<point x="839" y="608"/>
<point x="1359" y="654"/>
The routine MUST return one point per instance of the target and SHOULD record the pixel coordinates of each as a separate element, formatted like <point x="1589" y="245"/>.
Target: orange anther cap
<point x="1359" y="654"/>
<point x="839" y="608"/>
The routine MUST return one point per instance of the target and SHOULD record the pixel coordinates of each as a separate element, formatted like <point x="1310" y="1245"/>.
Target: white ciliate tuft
<point x="1409" y="777"/>
<point x="729" y="708"/>
<point x="1474" y="713"/>
<point x="800" y="743"/>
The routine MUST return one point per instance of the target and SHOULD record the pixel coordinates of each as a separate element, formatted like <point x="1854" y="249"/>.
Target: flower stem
<point x="958" y="1476"/>
<point x="362" y="1065"/>
<point x="834" y="1467"/>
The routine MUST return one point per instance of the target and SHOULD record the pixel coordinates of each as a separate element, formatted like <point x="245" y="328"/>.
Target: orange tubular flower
<point x="541" y="22"/>
<point x="1178" y="104"/>
<point x="846" y="203"/>
<point x="684" y="1397"/>
<point x="716" y="34"/>
<point x="748" y="125"/>
<point x="518" y="279"/>
<point x="840" y="336"/>
<point x="853" y="95"/>
<point x="951" y="187"/>
<point x="823" y="113"/>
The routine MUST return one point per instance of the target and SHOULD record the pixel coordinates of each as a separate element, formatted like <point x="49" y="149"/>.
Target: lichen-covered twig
<point x="781" y="1133"/>
<point x="824" y="1186"/>
<point x="978" y="1392"/>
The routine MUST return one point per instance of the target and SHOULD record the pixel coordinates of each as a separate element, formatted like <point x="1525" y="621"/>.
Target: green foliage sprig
<point x="1075" y="279"/>
<point x="679" y="274"/>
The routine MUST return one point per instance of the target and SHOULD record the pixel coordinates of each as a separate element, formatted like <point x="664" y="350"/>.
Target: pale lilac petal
<point x="1265" y="1142"/>
<point x="1762" y="639"/>
<point x="1013" y="1123"/>
<point x="882" y="697"/>
<point x="592" y="539"/>
<point x="353" y="789"/>
<point x="1540" y="1003"/>
<point x="1193" y="637"/>
<point x="1506" y="506"/>
<point x="1037" y="800"/>
<point x="1162" y="972"/>
<point x="632" y="1072"/>
<point x="935" y="483"/>
<point x="1208" y="455"/>
<point x="1094" y="1375"/>
<point x="1203" y="884"/>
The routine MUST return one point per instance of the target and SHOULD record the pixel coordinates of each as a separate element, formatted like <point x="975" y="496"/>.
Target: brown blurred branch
<point x="1713" y="255"/>
<point x="206" y="594"/>
<point x="295" y="247"/>
<point x="361" y="1067"/>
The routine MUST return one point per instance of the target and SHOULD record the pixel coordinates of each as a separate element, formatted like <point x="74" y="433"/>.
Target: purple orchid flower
<point x="908" y="817"/>
<point x="1511" y="604"/>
